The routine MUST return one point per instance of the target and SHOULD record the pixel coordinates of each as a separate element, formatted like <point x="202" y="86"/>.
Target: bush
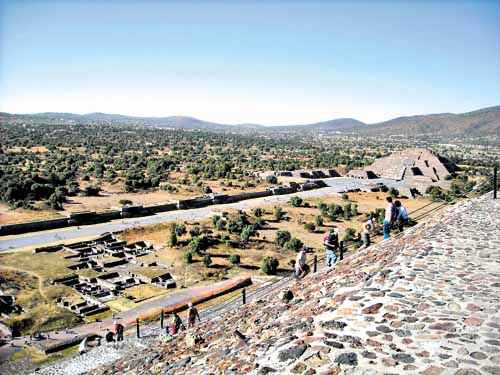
<point x="207" y="260"/>
<point x="282" y="237"/>
<point x="272" y="180"/>
<point x="247" y="232"/>
<point x="221" y="225"/>
<point x="196" y="245"/>
<point x="349" y="235"/>
<point x="394" y="192"/>
<point x="180" y="229"/>
<point x="91" y="191"/>
<point x="257" y="212"/>
<point x="294" y="244"/>
<point x="269" y="265"/>
<point x="234" y="259"/>
<point x="345" y="196"/>
<point x="296" y="201"/>
<point x="278" y="213"/>
<point x="323" y="208"/>
<point x="188" y="257"/>
<point x="354" y="209"/>
<point x="173" y="241"/>
<point x="259" y="223"/>
<point x="195" y="231"/>
<point x="318" y="221"/>
<point x="125" y="202"/>
<point x="310" y="227"/>
<point x="215" y="220"/>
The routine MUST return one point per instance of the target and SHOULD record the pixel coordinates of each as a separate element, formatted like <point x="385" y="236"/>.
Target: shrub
<point x="294" y="244"/>
<point x="247" y="232"/>
<point x="215" y="220"/>
<point x="125" y="202"/>
<point x="221" y="225"/>
<point x="257" y="212"/>
<point x="180" y="229"/>
<point x="234" y="259"/>
<point x="188" y="257"/>
<point x="195" y="245"/>
<point x="282" y="237"/>
<point x="173" y="241"/>
<point x="259" y="223"/>
<point x="354" y="209"/>
<point x="278" y="213"/>
<point x="323" y="208"/>
<point x="296" y="201"/>
<point x="349" y="235"/>
<point x="318" y="221"/>
<point x="345" y="196"/>
<point x="347" y="211"/>
<point x="91" y="191"/>
<point x="269" y="265"/>
<point x="195" y="231"/>
<point x="272" y="180"/>
<point x="393" y="192"/>
<point x="310" y="227"/>
<point x="207" y="260"/>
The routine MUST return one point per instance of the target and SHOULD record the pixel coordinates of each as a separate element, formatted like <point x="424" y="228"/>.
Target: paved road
<point x="336" y="185"/>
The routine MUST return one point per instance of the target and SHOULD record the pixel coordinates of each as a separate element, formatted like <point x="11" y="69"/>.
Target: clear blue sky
<point x="271" y="62"/>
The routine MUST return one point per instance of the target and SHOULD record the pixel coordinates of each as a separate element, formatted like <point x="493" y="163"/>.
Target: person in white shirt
<point x="389" y="218"/>
<point x="300" y="264"/>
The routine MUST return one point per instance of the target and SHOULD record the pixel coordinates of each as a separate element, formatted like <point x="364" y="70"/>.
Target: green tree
<point x="234" y="259"/>
<point x="188" y="257"/>
<point x="172" y="240"/>
<point x="269" y="265"/>
<point x="296" y="201"/>
<point x="257" y="212"/>
<point x="278" y="213"/>
<point x="207" y="260"/>
<point x="310" y="227"/>
<point x="318" y="220"/>
<point x="247" y="232"/>
<point x="294" y="244"/>
<point x="282" y="237"/>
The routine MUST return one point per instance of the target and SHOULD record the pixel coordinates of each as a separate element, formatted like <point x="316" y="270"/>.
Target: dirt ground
<point x="21" y="215"/>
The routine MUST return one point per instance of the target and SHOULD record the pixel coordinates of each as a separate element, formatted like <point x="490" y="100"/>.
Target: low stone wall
<point x="250" y="195"/>
<point x="155" y="208"/>
<point x="33" y="226"/>
<point x="92" y="217"/>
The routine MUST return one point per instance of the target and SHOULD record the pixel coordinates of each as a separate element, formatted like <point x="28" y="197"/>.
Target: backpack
<point x="333" y="239"/>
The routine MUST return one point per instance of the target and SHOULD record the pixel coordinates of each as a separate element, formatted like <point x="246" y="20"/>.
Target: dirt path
<point x="31" y="273"/>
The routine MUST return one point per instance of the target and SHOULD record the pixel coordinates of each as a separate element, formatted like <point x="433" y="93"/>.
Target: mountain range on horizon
<point x="482" y="122"/>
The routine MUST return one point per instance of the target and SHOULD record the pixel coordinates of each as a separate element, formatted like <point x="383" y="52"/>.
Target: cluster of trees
<point x="337" y="211"/>
<point x="143" y="157"/>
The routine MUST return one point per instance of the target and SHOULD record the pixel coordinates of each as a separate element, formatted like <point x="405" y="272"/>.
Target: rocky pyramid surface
<point x="427" y="303"/>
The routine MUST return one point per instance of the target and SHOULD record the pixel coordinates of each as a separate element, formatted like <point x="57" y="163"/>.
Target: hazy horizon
<point x="270" y="63"/>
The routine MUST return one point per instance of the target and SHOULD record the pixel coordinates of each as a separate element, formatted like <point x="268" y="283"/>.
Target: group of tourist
<point x="173" y="327"/>
<point x="396" y="215"/>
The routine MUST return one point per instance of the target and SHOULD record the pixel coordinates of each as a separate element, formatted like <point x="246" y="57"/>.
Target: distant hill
<point x="483" y="122"/>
